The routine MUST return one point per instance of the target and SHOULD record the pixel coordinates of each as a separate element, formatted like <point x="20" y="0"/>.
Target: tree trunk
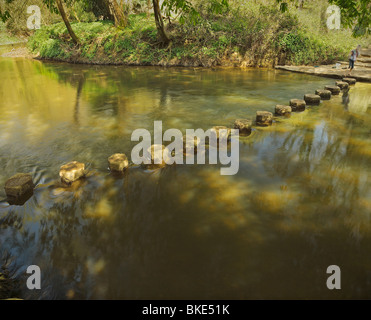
<point x="164" y="38"/>
<point x="118" y="13"/>
<point x="66" y="22"/>
<point x="148" y="8"/>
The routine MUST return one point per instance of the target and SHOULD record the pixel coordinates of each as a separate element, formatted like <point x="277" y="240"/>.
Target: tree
<point x="66" y="21"/>
<point x="118" y="13"/>
<point x="164" y="38"/>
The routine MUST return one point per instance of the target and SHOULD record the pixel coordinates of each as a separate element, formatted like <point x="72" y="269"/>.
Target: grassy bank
<point x="246" y="35"/>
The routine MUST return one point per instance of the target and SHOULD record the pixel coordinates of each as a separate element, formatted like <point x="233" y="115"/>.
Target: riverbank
<point x="361" y="72"/>
<point x="260" y="37"/>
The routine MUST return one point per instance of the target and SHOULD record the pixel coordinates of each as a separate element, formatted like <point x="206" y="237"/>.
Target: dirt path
<point x="15" y="51"/>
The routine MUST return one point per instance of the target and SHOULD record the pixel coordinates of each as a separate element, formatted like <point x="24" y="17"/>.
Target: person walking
<point x="353" y="57"/>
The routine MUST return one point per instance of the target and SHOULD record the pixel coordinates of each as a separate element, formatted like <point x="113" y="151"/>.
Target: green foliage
<point x="260" y="35"/>
<point x="301" y="49"/>
<point x="293" y="42"/>
<point x="218" y="7"/>
<point x="184" y="7"/>
<point x="84" y="12"/>
<point x="223" y="41"/>
<point x="51" y="5"/>
<point x="90" y="30"/>
<point x="51" y="48"/>
<point x="125" y="44"/>
<point x="188" y="12"/>
<point x="16" y="17"/>
<point x="355" y="14"/>
<point x="109" y="44"/>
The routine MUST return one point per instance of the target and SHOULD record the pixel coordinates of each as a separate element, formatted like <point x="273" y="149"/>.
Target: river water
<point x="300" y="202"/>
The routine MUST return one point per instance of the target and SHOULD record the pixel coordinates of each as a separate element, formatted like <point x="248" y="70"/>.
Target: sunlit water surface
<point x="300" y="202"/>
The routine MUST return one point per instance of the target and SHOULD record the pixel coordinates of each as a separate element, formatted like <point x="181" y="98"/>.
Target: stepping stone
<point x="264" y="118"/>
<point x="220" y="134"/>
<point x="282" y="110"/>
<point x="189" y="145"/>
<point x="297" y="105"/>
<point x="350" y="81"/>
<point x="118" y="162"/>
<point x="342" y="85"/>
<point x="19" y="185"/>
<point x="324" y="94"/>
<point x="335" y="90"/>
<point x="312" y="99"/>
<point x="72" y="171"/>
<point x="159" y="156"/>
<point x="243" y="125"/>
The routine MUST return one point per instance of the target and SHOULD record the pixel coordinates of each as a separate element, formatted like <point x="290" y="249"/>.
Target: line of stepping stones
<point x="265" y="118"/>
<point x="20" y="187"/>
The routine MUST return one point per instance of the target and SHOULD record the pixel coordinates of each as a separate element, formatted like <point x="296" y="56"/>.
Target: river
<point x="300" y="202"/>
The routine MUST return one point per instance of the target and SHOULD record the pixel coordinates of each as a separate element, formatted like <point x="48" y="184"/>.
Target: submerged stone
<point x="190" y="145"/>
<point x="297" y="105"/>
<point x="282" y="110"/>
<point x="264" y="118"/>
<point x="350" y="81"/>
<point x="159" y="156"/>
<point x="342" y="84"/>
<point x="72" y="171"/>
<point x="21" y="200"/>
<point x="243" y="125"/>
<point x="19" y="186"/>
<point x="312" y="99"/>
<point x="118" y="162"/>
<point x="324" y="94"/>
<point x="335" y="90"/>
<point x="222" y="134"/>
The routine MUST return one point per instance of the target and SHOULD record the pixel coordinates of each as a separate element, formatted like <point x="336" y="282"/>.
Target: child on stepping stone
<point x="353" y="57"/>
